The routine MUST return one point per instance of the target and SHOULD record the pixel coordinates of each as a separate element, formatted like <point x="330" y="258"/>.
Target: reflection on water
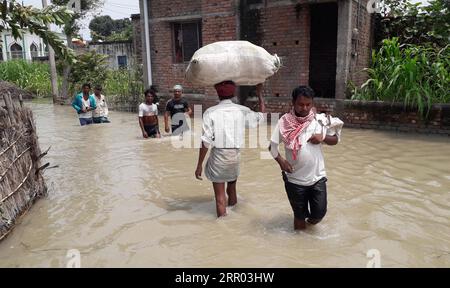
<point x="124" y="201"/>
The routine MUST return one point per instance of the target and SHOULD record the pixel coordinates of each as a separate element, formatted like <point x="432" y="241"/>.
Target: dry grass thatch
<point x="21" y="181"/>
<point x="14" y="91"/>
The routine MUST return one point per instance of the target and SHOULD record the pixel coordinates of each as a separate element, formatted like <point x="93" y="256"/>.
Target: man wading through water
<point x="224" y="130"/>
<point x="84" y="104"/>
<point x="302" y="132"/>
<point x="176" y="108"/>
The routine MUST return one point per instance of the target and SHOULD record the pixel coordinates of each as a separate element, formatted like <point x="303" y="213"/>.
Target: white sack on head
<point x="238" y="61"/>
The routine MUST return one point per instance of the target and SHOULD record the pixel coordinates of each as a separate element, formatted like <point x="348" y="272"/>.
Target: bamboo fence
<point x="21" y="180"/>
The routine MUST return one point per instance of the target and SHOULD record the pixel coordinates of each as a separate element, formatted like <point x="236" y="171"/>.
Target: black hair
<point x="305" y="91"/>
<point x="225" y="97"/>
<point x="98" y="87"/>
<point x="86" y="85"/>
<point x="227" y="82"/>
<point x="152" y="90"/>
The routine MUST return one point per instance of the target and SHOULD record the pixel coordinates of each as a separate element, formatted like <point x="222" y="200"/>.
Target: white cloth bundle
<point x="238" y="61"/>
<point x="330" y="125"/>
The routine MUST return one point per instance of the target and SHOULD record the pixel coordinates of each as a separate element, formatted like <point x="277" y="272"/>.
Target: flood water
<point x="125" y="201"/>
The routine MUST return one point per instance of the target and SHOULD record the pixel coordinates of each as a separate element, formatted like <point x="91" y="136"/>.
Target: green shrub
<point x="31" y="76"/>
<point x="418" y="76"/>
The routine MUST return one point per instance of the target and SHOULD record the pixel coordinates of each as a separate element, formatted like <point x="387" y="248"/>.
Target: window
<point x="33" y="50"/>
<point x="122" y="61"/>
<point x="187" y="39"/>
<point x="16" y="51"/>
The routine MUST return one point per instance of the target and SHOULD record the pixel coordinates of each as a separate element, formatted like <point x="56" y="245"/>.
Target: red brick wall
<point x="387" y="116"/>
<point x="218" y="23"/>
<point x="280" y="22"/>
<point x="281" y="26"/>
<point x="166" y="73"/>
<point x="363" y="43"/>
<point x="172" y="8"/>
<point x="374" y="115"/>
<point x="137" y="42"/>
<point x="219" y="20"/>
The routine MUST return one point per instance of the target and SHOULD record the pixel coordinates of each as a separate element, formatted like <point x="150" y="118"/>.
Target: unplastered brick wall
<point x="283" y="29"/>
<point x="137" y="42"/>
<point x="173" y="8"/>
<point x="372" y="114"/>
<point x="218" y="22"/>
<point x="283" y="25"/>
<point x="362" y="20"/>
<point x="387" y="116"/>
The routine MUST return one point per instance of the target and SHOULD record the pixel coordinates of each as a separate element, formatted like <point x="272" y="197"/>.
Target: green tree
<point x="121" y="24"/>
<point x="91" y="68"/>
<point x="414" y="23"/>
<point x="126" y="34"/>
<point x="107" y="29"/>
<point x="102" y="27"/>
<point x="71" y="29"/>
<point x="18" y="18"/>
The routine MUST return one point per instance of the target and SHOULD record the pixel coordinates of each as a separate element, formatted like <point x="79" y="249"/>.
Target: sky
<point x="117" y="9"/>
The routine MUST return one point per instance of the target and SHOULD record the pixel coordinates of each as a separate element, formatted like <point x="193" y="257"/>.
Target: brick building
<point x="322" y="43"/>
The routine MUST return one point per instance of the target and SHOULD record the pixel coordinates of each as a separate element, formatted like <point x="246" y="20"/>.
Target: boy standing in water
<point x="303" y="170"/>
<point x="224" y="130"/>
<point x="84" y="104"/>
<point x="148" y="116"/>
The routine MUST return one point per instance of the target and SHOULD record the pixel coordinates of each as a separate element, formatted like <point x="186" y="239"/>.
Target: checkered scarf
<point x="291" y="126"/>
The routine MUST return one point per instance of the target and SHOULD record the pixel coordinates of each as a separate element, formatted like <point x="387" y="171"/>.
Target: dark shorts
<point x="151" y="130"/>
<point x="85" y="121"/>
<point x="98" y="120"/>
<point x="314" y="195"/>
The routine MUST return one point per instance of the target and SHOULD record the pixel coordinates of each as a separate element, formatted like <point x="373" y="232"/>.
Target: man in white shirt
<point x="100" y="115"/>
<point x="303" y="170"/>
<point x="224" y="131"/>
<point x="148" y="116"/>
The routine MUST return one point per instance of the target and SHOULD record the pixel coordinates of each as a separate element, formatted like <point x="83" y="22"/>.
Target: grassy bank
<point x="120" y="85"/>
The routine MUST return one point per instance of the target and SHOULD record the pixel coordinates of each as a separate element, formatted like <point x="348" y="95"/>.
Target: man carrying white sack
<point x="224" y="130"/>
<point x="303" y="131"/>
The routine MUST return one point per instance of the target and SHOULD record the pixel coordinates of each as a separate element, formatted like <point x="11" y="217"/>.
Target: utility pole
<point x="51" y="59"/>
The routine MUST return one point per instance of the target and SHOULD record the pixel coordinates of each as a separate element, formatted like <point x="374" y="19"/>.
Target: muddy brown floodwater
<point x="124" y="201"/>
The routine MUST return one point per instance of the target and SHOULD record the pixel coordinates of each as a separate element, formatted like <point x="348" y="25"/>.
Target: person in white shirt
<point x="100" y="114"/>
<point x="224" y="131"/>
<point x="302" y="131"/>
<point x="148" y="116"/>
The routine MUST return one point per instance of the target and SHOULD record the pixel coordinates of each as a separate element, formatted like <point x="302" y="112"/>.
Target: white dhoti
<point x="223" y="165"/>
